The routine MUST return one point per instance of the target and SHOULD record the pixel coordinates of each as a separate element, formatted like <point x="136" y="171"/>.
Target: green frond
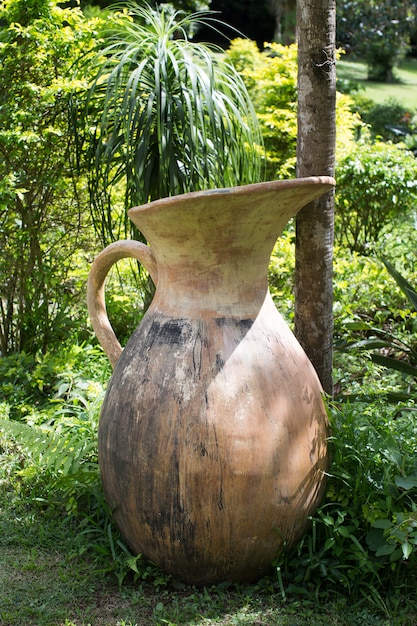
<point x="170" y="115"/>
<point x="57" y="450"/>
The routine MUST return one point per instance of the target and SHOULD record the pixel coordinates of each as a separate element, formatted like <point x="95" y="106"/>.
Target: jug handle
<point x="96" y="302"/>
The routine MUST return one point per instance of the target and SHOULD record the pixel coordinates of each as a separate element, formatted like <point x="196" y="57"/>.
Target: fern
<point x="57" y="450"/>
<point x="57" y="467"/>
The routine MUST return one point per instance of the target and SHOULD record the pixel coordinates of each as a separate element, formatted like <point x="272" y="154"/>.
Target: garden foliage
<point x="395" y="350"/>
<point x="364" y="536"/>
<point x="271" y="78"/>
<point x="377" y="30"/>
<point x="377" y="185"/>
<point x="42" y="205"/>
<point x="162" y="116"/>
<point x="363" y="539"/>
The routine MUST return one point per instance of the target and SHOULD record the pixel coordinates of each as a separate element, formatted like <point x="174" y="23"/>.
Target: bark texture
<point x="316" y="25"/>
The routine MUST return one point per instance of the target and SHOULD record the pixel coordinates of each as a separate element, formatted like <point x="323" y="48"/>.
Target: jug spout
<point x="219" y="218"/>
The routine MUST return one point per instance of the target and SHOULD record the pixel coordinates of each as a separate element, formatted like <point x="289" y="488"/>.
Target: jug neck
<point x="224" y="290"/>
<point x="212" y="248"/>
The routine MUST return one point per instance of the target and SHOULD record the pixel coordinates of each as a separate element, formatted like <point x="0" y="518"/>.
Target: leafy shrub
<point x="377" y="184"/>
<point x="383" y="116"/>
<point x="390" y="349"/>
<point x="43" y="225"/>
<point x="363" y="538"/>
<point x="348" y="126"/>
<point x="281" y="273"/>
<point x="271" y="79"/>
<point x="29" y="383"/>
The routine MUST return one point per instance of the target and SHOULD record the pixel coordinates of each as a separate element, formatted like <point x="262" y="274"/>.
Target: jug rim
<point x="252" y="188"/>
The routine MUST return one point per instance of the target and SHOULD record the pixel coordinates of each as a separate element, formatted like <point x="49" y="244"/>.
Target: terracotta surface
<point x="212" y="438"/>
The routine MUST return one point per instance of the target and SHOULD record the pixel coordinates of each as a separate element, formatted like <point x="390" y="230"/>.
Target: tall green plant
<point x="163" y="116"/>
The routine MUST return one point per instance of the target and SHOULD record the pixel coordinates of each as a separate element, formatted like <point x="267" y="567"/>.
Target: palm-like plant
<point x="163" y="115"/>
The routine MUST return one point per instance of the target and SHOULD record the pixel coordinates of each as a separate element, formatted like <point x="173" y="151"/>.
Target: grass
<point x="42" y="587"/>
<point x="404" y="90"/>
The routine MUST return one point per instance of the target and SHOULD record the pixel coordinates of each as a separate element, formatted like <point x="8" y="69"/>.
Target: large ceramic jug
<point x="212" y="437"/>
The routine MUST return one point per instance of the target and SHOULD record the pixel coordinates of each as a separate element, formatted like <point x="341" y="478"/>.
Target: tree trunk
<point x="316" y="26"/>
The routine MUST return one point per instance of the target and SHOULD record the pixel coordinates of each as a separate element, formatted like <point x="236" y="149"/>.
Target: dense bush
<point x="31" y="384"/>
<point x="383" y="118"/>
<point x="43" y="228"/>
<point x="364" y="536"/>
<point x="377" y="185"/>
<point x="380" y="439"/>
<point x="271" y="78"/>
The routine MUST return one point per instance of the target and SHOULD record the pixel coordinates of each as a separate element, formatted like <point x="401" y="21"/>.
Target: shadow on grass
<point x="41" y="584"/>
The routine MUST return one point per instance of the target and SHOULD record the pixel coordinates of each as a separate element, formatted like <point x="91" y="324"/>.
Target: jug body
<point x="212" y="436"/>
<point x="214" y="461"/>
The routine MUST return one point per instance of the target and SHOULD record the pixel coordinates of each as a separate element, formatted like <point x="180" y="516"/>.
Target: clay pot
<point x="212" y="437"/>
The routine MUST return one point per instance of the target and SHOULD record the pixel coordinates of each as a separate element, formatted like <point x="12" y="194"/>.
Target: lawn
<point x="404" y="89"/>
<point x="46" y="586"/>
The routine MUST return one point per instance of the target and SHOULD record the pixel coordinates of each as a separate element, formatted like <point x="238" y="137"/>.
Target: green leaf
<point x="345" y="531"/>
<point x="406" y="482"/>
<point x="385" y="550"/>
<point x="403" y="284"/>
<point x="382" y="523"/>
<point x="389" y="448"/>
<point x="407" y="549"/>
<point x="412" y="296"/>
<point x="375" y="539"/>
<point x="372" y="343"/>
<point x="357" y="325"/>
<point x="396" y="364"/>
<point x="329" y="543"/>
<point x="395" y="555"/>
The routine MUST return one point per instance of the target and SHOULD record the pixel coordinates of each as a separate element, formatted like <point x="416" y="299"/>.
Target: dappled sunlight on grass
<point x="404" y="90"/>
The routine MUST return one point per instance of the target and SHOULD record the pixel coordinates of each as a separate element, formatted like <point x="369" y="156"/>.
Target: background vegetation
<point x="61" y="559"/>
